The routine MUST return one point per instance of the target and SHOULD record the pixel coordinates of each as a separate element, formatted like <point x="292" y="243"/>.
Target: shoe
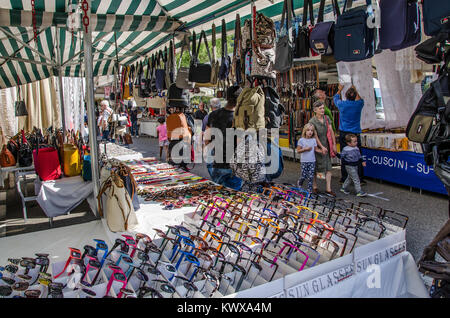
<point x="344" y="191"/>
<point x="330" y="193"/>
<point x="361" y="194"/>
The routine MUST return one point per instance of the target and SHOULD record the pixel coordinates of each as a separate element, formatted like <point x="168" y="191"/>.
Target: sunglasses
<point x="89" y="250"/>
<point x="20" y="286"/>
<point x="89" y="292"/>
<point x="5" y="291"/>
<point x="32" y="293"/>
<point x="123" y="246"/>
<point x="74" y="258"/>
<point x="101" y="246"/>
<point x="118" y="276"/>
<point x="129" y="240"/>
<point x="92" y="263"/>
<point x="144" y="291"/>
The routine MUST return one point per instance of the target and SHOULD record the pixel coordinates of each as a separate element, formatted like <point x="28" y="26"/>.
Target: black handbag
<point x="301" y="38"/>
<point x="199" y="72"/>
<point x="225" y="63"/>
<point x="160" y="73"/>
<point x="20" y="107"/>
<point x="25" y="154"/>
<point x="284" y="47"/>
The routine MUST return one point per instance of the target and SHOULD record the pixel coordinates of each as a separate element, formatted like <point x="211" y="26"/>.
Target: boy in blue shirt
<point x="350" y="159"/>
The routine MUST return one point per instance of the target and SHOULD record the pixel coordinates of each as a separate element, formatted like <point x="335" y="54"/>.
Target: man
<point x="201" y="112"/>
<point x="222" y="119"/>
<point x="106" y="113"/>
<point x="215" y="105"/>
<point x="320" y="95"/>
<point x="349" y="121"/>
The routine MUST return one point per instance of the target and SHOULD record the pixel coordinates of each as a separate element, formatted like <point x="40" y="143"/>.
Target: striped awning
<point x="139" y="27"/>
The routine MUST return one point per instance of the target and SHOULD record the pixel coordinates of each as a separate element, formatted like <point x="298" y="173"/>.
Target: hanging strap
<point x="194" y="45"/>
<point x="237" y="37"/>
<point x="305" y="12"/>
<point x="224" y="39"/>
<point x="213" y="40"/>
<point x="184" y="44"/>
<point x="203" y="36"/>
<point x="287" y="10"/>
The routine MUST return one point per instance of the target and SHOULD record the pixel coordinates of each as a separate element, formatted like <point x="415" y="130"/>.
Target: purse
<point x="25" y="154"/>
<point x="284" y="47"/>
<point x="182" y="80"/>
<point x="127" y="138"/>
<point x="236" y="64"/>
<point x="160" y="73"/>
<point x="19" y="105"/>
<point x="321" y="38"/>
<point x="263" y="56"/>
<point x="301" y="37"/>
<point x="199" y="72"/>
<point x="225" y="63"/>
<point x="46" y="162"/>
<point x="7" y="158"/>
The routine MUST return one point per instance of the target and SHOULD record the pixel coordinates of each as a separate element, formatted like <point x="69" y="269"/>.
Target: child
<point x="350" y="159"/>
<point x="306" y="146"/>
<point x="161" y="131"/>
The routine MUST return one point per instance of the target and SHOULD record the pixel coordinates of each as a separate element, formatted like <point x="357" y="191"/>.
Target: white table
<point x="148" y="128"/>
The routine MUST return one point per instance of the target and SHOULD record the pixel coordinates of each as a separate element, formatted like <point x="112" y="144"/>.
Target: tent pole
<point x="60" y="83"/>
<point x="87" y="41"/>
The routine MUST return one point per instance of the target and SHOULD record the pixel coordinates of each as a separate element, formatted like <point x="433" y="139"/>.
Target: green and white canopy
<point x="139" y="27"/>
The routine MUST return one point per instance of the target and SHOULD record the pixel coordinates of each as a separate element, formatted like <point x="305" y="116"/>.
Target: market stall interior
<point x="166" y="232"/>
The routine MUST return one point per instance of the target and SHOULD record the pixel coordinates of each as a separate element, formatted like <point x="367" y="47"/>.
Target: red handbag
<point x="46" y="163"/>
<point x="331" y="142"/>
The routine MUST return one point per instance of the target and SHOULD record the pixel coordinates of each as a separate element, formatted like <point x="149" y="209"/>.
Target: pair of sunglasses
<point x="74" y="258"/>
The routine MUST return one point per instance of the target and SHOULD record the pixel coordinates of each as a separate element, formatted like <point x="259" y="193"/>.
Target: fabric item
<point x="74" y="105"/>
<point x="307" y="156"/>
<point x="57" y="197"/>
<point x="361" y="75"/>
<point x="163" y="143"/>
<point x="162" y="132"/>
<point x="350" y="156"/>
<point x="323" y="162"/>
<point x="308" y="169"/>
<point x="349" y="114"/>
<point x="352" y="176"/>
<point x="226" y="178"/>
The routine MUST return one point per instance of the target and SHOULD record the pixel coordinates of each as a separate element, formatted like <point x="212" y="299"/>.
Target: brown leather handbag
<point x="7" y="158"/>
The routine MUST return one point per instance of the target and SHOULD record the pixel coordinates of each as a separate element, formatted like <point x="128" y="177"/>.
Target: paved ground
<point x="427" y="212"/>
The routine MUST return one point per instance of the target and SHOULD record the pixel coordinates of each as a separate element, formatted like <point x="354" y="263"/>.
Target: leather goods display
<point x="419" y="128"/>
<point x="120" y="215"/>
<point x="71" y="160"/>
<point x="436" y="16"/>
<point x="6" y="158"/>
<point x="46" y="163"/>
<point x="249" y="112"/>
<point x="215" y="67"/>
<point x="182" y="80"/>
<point x="177" y="126"/>
<point x="25" y="154"/>
<point x="354" y="39"/>
<point x="400" y="24"/>
<point x="284" y="47"/>
<point x="273" y="109"/>
<point x="321" y="38"/>
<point x="301" y="37"/>
<point x="199" y="72"/>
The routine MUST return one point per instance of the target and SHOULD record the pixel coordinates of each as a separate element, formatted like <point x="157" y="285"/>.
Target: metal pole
<point x="60" y="83"/>
<point x="87" y="41"/>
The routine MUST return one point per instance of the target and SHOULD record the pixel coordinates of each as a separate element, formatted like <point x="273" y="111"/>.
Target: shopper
<point x="103" y="123"/>
<point x="161" y="132"/>
<point x="222" y="119"/>
<point x="320" y="95"/>
<point x="306" y="146"/>
<point x="215" y="105"/>
<point x="351" y="158"/>
<point x="349" y="121"/>
<point x="201" y="112"/>
<point x="323" y="158"/>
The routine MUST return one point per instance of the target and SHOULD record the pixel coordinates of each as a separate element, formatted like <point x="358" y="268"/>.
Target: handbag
<point x="225" y="63"/>
<point x="182" y="80"/>
<point x="400" y="24"/>
<point x="321" y="38"/>
<point x="25" y="154"/>
<point x="160" y="73"/>
<point x="301" y="37"/>
<point x="263" y="56"/>
<point x="127" y="138"/>
<point x="236" y="64"/>
<point x="330" y="139"/>
<point x="19" y="106"/>
<point x="434" y="49"/>
<point x="354" y="39"/>
<point x="215" y="67"/>
<point x="284" y="47"/>
<point x="46" y="162"/>
<point x="199" y="72"/>
<point x="71" y="160"/>
<point x="436" y="16"/>
<point x="126" y="85"/>
<point x="6" y="157"/>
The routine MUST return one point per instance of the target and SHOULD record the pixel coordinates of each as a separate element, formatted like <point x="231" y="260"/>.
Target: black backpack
<point x="273" y="109"/>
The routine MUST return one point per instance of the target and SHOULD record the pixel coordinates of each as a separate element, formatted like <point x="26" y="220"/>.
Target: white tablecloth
<point x="58" y="197"/>
<point x="149" y="128"/>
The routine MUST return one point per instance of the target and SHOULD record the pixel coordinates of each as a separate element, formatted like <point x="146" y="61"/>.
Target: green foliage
<point x="203" y="55"/>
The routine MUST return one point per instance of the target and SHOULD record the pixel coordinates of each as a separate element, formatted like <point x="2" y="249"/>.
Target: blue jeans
<point x="105" y="135"/>
<point x="226" y="178"/>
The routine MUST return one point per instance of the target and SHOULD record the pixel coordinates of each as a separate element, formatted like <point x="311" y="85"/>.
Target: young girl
<point x="161" y="131"/>
<point x="306" y="146"/>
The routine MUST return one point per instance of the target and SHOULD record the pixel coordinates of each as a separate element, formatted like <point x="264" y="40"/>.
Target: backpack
<point x="264" y="31"/>
<point x="436" y="16"/>
<point x="273" y="109"/>
<point x="177" y="126"/>
<point x="250" y="110"/>
<point x="263" y="55"/>
<point x="400" y="24"/>
<point x="248" y="161"/>
<point x="354" y="40"/>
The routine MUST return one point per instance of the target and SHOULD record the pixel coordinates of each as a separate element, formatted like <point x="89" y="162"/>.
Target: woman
<point x="322" y="124"/>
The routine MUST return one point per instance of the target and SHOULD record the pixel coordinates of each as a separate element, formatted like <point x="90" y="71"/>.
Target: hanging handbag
<point x="19" y="105"/>
<point x="25" y="154"/>
<point x="126" y="85"/>
<point x="236" y="64"/>
<point x="321" y="38"/>
<point x="199" y="72"/>
<point x="400" y="24"/>
<point x="182" y="80"/>
<point x="225" y="63"/>
<point x="284" y="47"/>
<point x="6" y="158"/>
<point x="160" y="72"/>
<point x="301" y="37"/>
<point x="263" y="55"/>
<point x="153" y="75"/>
<point x="354" y="39"/>
<point x="215" y="67"/>
<point x="436" y="16"/>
